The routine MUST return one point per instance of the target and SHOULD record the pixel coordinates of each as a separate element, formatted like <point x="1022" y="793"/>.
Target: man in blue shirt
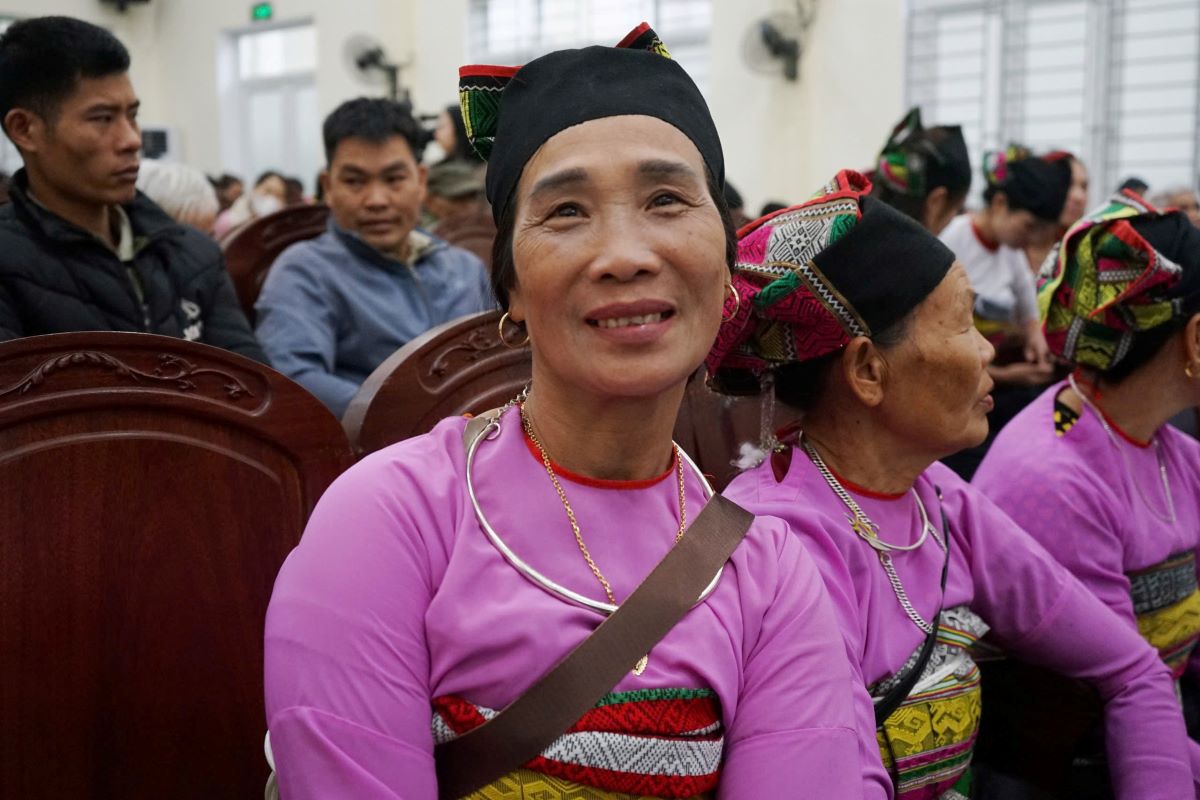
<point x="333" y="308"/>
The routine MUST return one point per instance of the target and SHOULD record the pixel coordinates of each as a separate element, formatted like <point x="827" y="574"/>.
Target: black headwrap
<point x="916" y="160"/>
<point x="1030" y="184"/>
<point x="1173" y="235"/>
<point x="510" y="113"/>
<point x="811" y="277"/>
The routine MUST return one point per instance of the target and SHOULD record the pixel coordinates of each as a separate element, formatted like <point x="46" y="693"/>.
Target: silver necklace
<point x="1169" y="517"/>
<point x="491" y="431"/>
<point x="868" y="531"/>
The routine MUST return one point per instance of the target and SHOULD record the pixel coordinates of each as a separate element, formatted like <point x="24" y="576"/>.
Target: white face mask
<point x="263" y="204"/>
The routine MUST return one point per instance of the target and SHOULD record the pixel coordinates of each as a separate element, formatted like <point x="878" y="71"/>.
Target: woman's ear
<point x="1191" y="344"/>
<point x="935" y="203"/>
<point x="516" y="307"/>
<point x="864" y="371"/>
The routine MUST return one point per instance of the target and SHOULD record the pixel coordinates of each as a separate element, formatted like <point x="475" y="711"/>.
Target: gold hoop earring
<point x="1187" y="370"/>
<point x="504" y="339"/>
<point x="737" y="302"/>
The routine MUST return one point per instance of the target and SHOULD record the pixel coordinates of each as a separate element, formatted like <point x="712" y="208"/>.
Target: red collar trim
<point x="987" y="243"/>
<point x="598" y="483"/>
<point x="1120" y="432"/>
<point x="1111" y="422"/>
<point x="864" y="491"/>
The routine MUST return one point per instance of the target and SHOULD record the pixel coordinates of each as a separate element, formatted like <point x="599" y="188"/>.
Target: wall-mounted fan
<point x="774" y="44"/>
<point x="365" y="57"/>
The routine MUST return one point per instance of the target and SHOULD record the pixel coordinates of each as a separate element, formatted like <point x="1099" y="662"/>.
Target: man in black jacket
<point x="80" y="248"/>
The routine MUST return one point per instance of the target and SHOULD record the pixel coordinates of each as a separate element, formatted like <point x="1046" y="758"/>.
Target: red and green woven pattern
<point x="1105" y="285"/>
<point x="656" y="743"/>
<point x="788" y="310"/>
<point x="898" y="167"/>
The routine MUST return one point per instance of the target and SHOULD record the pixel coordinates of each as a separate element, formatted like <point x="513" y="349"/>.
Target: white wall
<point x="782" y="140"/>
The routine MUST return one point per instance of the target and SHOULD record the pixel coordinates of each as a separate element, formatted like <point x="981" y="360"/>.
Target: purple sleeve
<point x="876" y="784"/>
<point x="1044" y="614"/>
<point x="347" y="666"/>
<point x="795" y="726"/>
<point x="1067" y="518"/>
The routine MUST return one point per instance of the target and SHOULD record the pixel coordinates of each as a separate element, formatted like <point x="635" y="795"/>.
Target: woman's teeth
<point x="621" y="322"/>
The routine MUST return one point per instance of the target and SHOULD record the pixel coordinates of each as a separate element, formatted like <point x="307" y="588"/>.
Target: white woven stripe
<point x="619" y="752"/>
<point x="641" y="755"/>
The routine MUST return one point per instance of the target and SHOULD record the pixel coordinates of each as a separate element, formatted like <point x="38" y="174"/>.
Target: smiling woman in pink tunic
<point x="432" y="588"/>
<point x="860" y="318"/>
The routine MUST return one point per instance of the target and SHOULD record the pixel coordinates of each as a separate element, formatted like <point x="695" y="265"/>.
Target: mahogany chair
<point x="712" y="428"/>
<point x="463" y="368"/>
<point x="460" y="367"/>
<point x="251" y="249"/>
<point x="472" y="230"/>
<point x="150" y="489"/>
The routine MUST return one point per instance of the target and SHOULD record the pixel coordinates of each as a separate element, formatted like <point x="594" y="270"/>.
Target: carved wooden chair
<point x="457" y="368"/>
<point x="251" y="249"/>
<point x="712" y="427"/>
<point x="462" y="367"/>
<point x="151" y="488"/>
<point x="471" y="230"/>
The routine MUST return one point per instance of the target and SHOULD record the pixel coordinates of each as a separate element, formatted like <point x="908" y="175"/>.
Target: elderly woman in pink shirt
<point x="863" y="320"/>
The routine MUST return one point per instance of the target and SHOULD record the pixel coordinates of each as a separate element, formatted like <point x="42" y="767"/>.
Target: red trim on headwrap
<point x="633" y="35"/>
<point x="486" y="71"/>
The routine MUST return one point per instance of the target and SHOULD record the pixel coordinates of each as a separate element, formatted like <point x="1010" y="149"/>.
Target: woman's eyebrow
<point x="559" y="180"/>
<point x="660" y="169"/>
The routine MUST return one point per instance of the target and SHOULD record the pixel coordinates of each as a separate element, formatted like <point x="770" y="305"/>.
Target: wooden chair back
<point x="251" y="249"/>
<point x="150" y="489"/>
<point x="471" y="230"/>
<point x="712" y="428"/>
<point x="461" y="367"/>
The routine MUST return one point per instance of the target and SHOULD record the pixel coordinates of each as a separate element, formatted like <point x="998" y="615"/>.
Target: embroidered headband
<point x="811" y="277"/>
<point x="1122" y="270"/>
<point x="510" y="112"/>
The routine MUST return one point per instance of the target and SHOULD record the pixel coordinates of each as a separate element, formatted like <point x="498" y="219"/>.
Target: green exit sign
<point x="260" y="12"/>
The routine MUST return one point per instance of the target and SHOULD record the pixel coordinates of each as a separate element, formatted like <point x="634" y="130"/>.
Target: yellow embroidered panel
<point x="1173" y="631"/>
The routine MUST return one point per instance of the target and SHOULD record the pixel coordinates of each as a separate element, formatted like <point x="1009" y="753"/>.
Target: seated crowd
<point x="983" y="497"/>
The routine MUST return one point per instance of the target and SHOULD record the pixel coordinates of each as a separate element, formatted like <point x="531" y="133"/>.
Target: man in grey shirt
<point x="333" y="308"/>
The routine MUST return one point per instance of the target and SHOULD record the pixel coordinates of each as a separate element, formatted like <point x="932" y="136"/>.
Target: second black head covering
<point x="812" y="277"/>
<point x="916" y="160"/>
<point x="510" y="113"/>
<point x="1031" y="184"/>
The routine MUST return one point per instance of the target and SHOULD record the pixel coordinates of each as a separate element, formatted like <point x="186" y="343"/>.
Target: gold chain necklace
<point x="562" y="496"/>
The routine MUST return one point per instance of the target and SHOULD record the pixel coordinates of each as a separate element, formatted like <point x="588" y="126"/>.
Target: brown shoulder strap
<point x="534" y="720"/>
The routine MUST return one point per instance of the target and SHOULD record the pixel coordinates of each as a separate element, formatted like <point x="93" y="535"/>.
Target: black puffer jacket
<point x="56" y="277"/>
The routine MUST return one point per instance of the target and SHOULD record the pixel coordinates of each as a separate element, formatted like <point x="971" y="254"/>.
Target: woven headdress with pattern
<point x="811" y="277"/>
<point x="1106" y="283"/>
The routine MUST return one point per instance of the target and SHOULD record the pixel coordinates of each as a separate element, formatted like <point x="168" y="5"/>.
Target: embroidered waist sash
<point x="654" y="743"/>
<point x="927" y="742"/>
<point x="1167" y="605"/>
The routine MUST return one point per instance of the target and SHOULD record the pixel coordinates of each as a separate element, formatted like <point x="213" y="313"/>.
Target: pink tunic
<point x="1075" y="495"/>
<point x="395" y="598"/>
<point x="1033" y="605"/>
